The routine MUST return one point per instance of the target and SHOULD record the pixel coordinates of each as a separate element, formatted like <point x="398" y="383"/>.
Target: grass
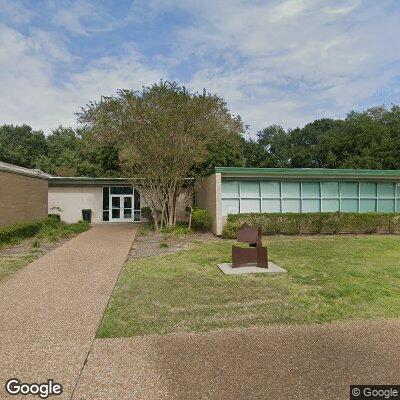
<point x="52" y="230"/>
<point x="330" y="278"/>
<point x="11" y="264"/>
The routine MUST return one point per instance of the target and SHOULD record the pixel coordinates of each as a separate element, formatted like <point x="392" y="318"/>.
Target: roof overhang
<point x="86" y="181"/>
<point x="309" y="173"/>
<point x="15" y="169"/>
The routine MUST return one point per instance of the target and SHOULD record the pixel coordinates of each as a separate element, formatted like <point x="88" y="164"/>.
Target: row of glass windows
<point x="277" y="196"/>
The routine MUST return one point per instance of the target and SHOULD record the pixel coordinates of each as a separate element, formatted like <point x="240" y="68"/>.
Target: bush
<point x="50" y="228"/>
<point x="178" y="230"/>
<point x="314" y="223"/>
<point x="54" y="230"/>
<point x="201" y="220"/>
<point x="18" y="231"/>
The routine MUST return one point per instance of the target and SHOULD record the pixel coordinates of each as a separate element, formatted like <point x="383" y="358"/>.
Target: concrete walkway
<point x="50" y="310"/>
<point x="275" y="362"/>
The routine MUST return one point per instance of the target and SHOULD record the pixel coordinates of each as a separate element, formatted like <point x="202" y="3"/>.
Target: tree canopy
<point x="367" y="139"/>
<point x="21" y="145"/>
<point x="168" y="137"/>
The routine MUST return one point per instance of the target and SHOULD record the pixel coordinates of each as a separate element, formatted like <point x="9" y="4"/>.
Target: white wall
<point x="72" y="200"/>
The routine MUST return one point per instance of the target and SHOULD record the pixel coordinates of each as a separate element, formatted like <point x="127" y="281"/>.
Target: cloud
<point x="72" y="18"/>
<point x="31" y="93"/>
<point x="292" y="61"/>
<point x="274" y="61"/>
<point x="15" y="11"/>
<point x="85" y="17"/>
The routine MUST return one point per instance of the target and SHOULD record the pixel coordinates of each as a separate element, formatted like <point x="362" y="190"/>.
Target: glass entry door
<point x="121" y="208"/>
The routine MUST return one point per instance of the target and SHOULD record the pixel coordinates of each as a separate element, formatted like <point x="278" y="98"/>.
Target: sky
<point x="282" y="62"/>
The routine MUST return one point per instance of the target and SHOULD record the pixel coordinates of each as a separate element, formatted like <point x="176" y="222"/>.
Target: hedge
<point x="314" y="223"/>
<point x="11" y="233"/>
<point x="201" y="220"/>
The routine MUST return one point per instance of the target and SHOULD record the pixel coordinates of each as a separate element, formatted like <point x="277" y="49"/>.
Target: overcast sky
<point x="285" y="62"/>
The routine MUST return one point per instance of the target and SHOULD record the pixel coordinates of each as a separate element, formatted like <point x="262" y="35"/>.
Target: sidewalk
<point x="50" y="310"/>
<point x="279" y="362"/>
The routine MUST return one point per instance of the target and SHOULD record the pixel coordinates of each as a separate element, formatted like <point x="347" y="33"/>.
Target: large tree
<point x="71" y="152"/>
<point x="165" y="134"/>
<point x="20" y="145"/>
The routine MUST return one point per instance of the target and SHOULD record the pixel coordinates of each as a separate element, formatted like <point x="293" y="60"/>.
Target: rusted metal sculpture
<point x="256" y="254"/>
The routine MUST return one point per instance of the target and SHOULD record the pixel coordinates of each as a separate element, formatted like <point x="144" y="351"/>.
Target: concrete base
<point x="227" y="269"/>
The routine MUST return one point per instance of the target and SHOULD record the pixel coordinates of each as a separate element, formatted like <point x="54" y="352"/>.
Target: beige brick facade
<point x="22" y="198"/>
<point x="208" y="196"/>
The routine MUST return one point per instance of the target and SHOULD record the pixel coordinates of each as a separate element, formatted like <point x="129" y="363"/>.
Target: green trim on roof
<point x="86" y="181"/>
<point x="309" y="172"/>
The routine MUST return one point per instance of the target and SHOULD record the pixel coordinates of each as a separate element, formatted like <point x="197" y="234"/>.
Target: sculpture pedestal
<point x="227" y="269"/>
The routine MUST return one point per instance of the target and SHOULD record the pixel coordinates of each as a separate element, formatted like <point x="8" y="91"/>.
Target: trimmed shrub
<point x="201" y="220"/>
<point x="314" y="223"/>
<point x="18" y="231"/>
<point x="50" y="228"/>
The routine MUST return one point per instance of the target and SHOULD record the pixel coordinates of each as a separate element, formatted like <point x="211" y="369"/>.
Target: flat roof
<point x="86" y="181"/>
<point x="16" y="169"/>
<point x="309" y="173"/>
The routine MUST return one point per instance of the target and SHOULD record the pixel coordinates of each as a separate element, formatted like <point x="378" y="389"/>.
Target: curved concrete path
<point x="50" y="310"/>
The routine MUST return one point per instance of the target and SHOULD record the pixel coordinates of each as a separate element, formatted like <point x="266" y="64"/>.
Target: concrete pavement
<point x="50" y="310"/>
<point x="275" y="362"/>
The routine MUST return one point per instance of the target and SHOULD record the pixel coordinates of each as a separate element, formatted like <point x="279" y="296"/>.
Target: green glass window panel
<point x="397" y="205"/>
<point x="398" y="189"/>
<point x="270" y="189"/>
<point x="291" y="205"/>
<point x="250" y="189"/>
<point x="329" y="189"/>
<point x="349" y="205"/>
<point x="367" y="205"/>
<point x="367" y="189"/>
<point x="250" y="206"/>
<point x="349" y="189"/>
<point x="230" y="206"/>
<point x="385" y="205"/>
<point x="385" y="190"/>
<point x="230" y="189"/>
<point x="271" y="205"/>
<point x="311" y="189"/>
<point x="290" y="189"/>
<point x="311" y="206"/>
<point x="329" y="205"/>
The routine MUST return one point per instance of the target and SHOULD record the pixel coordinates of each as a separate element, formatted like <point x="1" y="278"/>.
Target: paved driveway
<point x="50" y="310"/>
<point x="275" y="362"/>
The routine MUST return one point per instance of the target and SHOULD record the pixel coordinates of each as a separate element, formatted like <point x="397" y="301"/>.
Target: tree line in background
<point x="64" y="152"/>
<point x="368" y="139"/>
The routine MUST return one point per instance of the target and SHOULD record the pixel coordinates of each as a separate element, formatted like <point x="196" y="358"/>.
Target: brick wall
<point x="208" y="196"/>
<point x="22" y="198"/>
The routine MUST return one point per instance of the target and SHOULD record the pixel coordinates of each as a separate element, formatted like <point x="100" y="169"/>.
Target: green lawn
<point x="51" y="231"/>
<point x="329" y="278"/>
